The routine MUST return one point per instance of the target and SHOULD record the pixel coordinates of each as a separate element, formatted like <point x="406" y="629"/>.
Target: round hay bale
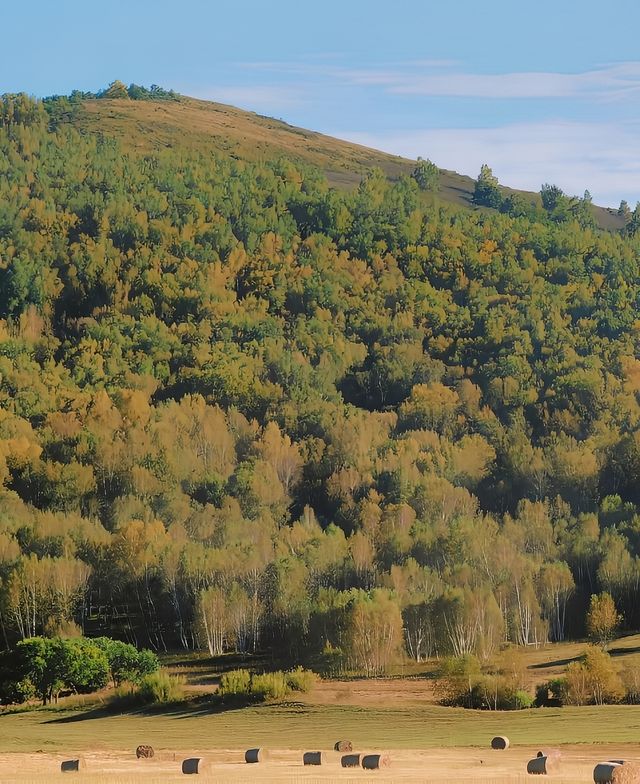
<point x="626" y="774"/>
<point x="256" y="755"/>
<point x="144" y="752"/>
<point x="500" y="742"/>
<point x="194" y="765"/>
<point x="73" y="765"/>
<point x="603" y="772"/>
<point x="312" y="758"/>
<point x="375" y="761"/>
<point x="350" y="760"/>
<point x="542" y="766"/>
<point x="345" y="746"/>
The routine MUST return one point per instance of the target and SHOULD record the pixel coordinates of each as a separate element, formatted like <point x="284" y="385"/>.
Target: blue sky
<point x="541" y="91"/>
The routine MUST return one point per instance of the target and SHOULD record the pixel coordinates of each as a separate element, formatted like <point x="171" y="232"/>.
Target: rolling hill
<point x="207" y="126"/>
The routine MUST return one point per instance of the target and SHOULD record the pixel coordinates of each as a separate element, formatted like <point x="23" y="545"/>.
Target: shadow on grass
<point x="613" y="652"/>
<point x="545" y="665"/>
<point x="623" y="651"/>
<point x="204" y="706"/>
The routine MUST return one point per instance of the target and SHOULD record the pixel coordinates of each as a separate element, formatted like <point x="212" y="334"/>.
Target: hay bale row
<point x="344" y="746"/>
<point x="144" y="752"/>
<point x="543" y="766"/>
<point x="73" y="765"/>
<point x="500" y="742"/>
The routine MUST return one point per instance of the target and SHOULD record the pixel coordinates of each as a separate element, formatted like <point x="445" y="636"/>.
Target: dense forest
<point x="241" y="410"/>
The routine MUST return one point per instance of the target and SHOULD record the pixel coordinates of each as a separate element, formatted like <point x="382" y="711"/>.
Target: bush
<point x="551" y="694"/>
<point x="270" y="686"/>
<point x="161" y="688"/>
<point x="522" y="700"/>
<point x="301" y="680"/>
<point x="235" y="682"/>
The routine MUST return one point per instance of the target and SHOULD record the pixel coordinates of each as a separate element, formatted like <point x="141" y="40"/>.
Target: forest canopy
<point x="241" y="410"/>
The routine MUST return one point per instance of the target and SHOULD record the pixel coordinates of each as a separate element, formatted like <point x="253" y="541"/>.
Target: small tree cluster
<point x="462" y="682"/>
<point x="126" y="662"/>
<point x="593" y="681"/>
<point x="42" y="667"/>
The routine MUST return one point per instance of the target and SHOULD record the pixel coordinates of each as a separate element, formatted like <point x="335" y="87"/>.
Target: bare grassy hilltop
<point x="214" y="127"/>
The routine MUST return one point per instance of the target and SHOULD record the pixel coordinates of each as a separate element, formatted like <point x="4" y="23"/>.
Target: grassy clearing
<point x="295" y="725"/>
<point x="392" y="713"/>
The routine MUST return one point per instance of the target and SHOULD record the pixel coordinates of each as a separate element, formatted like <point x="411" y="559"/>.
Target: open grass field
<point x="301" y="726"/>
<point x="213" y="127"/>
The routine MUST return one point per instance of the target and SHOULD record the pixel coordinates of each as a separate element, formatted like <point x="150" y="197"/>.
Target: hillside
<point x="206" y="126"/>
<point x="243" y="411"/>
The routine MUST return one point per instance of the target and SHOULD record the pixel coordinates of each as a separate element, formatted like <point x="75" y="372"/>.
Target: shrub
<point x="235" y="682"/>
<point x="522" y="700"/>
<point x="457" y="679"/>
<point x="551" y="694"/>
<point x="161" y="688"/>
<point x="270" y="686"/>
<point x="301" y="679"/>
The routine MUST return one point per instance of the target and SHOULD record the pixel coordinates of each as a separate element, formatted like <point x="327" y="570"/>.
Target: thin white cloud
<point x="609" y="81"/>
<point x="603" y="158"/>
<point x="270" y="98"/>
<point x="441" y="78"/>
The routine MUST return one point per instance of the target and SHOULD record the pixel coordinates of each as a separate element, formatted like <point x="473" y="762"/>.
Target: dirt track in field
<point x="434" y="766"/>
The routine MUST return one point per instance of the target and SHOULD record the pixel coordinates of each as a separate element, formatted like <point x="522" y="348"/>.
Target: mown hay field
<point x="435" y="766"/>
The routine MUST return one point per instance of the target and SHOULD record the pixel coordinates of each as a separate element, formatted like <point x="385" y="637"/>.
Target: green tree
<point x="125" y="662"/>
<point x="427" y="175"/>
<point x="486" y="192"/>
